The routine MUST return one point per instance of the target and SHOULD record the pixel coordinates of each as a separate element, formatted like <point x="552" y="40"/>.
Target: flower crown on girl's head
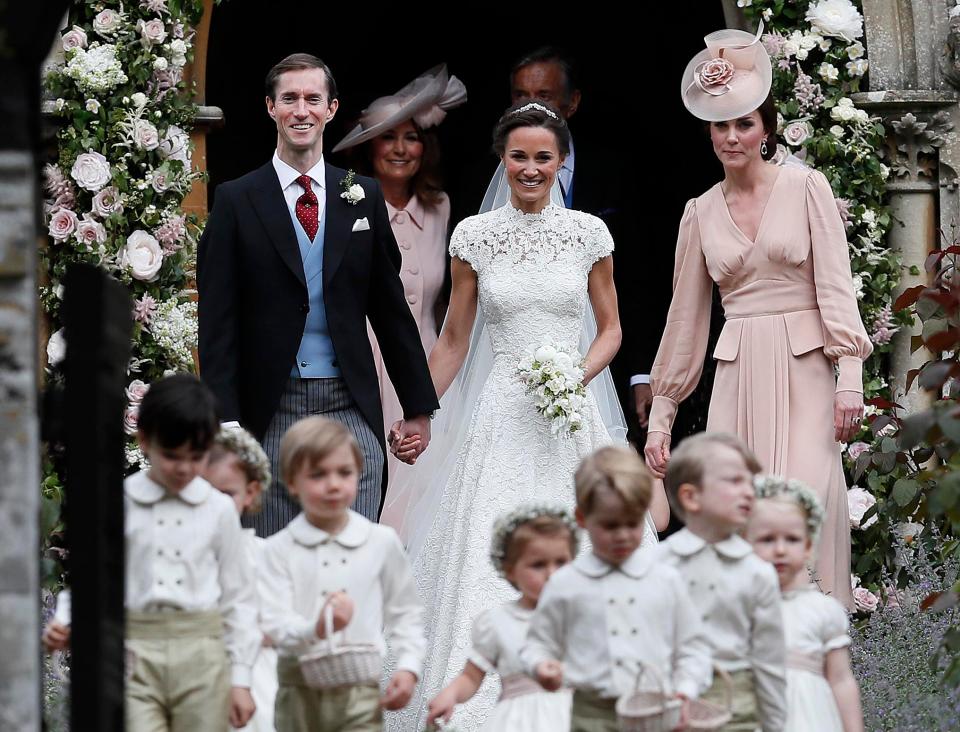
<point x="773" y="486"/>
<point x="508" y="523"/>
<point x="241" y="443"/>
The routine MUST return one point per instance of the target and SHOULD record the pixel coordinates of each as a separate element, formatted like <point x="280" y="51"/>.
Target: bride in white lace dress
<point x="531" y="266"/>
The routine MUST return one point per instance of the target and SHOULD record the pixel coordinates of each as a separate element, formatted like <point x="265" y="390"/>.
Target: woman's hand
<point x="442" y="706"/>
<point x="847" y="415"/>
<point x="657" y="453"/>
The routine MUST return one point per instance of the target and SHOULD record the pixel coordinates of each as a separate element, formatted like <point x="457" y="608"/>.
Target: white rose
<point x="837" y="18"/>
<point x="145" y="135"/>
<point x="91" y="233"/>
<point x="858" y="67"/>
<point x="92" y="105"/>
<point x="136" y="391"/>
<point x="829" y="72"/>
<point x="106" y="202"/>
<point x="861" y="116"/>
<point x="160" y="63"/>
<point x="59" y="104"/>
<point x="356" y="192"/>
<point x="744" y="3"/>
<point x="767" y="14"/>
<point x="563" y="362"/>
<point x="139" y="100"/>
<point x="842" y="113"/>
<point x="142" y="255"/>
<point x="855" y="50"/>
<point x="106" y="22"/>
<point x="178" y="53"/>
<point x="858" y="502"/>
<point x="797" y="132"/>
<point x="858" y="285"/>
<point x="825" y="44"/>
<point x="802" y="54"/>
<point x="175" y="145"/>
<point x="790" y="48"/>
<point x="159" y="181"/>
<point x="58" y="292"/>
<point x="91" y="171"/>
<point x="545" y="353"/>
<point x="63" y="223"/>
<point x="810" y="41"/>
<point x="151" y="32"/>
<point x="885" y="169"/>
<point x="837" y="131"/>
<point x="56" y="348"/>
<point x="74" y="38"/>
<point x="869" y="217"/>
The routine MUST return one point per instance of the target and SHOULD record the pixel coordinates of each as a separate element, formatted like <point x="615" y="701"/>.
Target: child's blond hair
<point x="252" y="460"/>
<point x="689" y="462"/>
<point x="618" y="469"/>
<point x="311" y="440"/>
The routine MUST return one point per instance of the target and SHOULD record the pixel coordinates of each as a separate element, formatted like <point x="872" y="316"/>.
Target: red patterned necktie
<point x="307" y="208"/>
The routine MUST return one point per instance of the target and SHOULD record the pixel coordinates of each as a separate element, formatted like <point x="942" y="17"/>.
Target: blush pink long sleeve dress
<point x="791" y="316"/>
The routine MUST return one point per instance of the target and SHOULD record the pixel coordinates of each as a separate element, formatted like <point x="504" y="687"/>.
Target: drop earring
<point x="763" y="146"/>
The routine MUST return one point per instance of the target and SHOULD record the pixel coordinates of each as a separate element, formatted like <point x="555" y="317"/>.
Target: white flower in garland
<point x="92" y="105"/>
<point x="142" y="256"/>
<point x="107" y="22"/>
<point x="836" y="18"/>
<point x="178" y="53"/>
<point x="76" y="37"/>
<point x="174" y="329"/>
<point x="175" y="145"/>
<point x="797" y="132"/>
<point x="855" y="50"/>
<point x="152" y="32"/>
<point x="56" y="348"/>
<point x="829" y="72"/>
<point x="96" y="70"/>
<point x="857" y="67"/>
<point x="91" y="170"/>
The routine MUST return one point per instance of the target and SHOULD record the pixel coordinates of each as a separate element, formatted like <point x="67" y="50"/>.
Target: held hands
<point x="56" y="636"/>
<point x="657" y="453"/>
<point x="550" y="675"/>
<point x="642" y="399"/>
<point x="242" y="706"/>
<point x="409" y="438"/>
<point x="399" y="691"/>
<point x="342" y="605"/>
<point x="442" y="706"/>
<point x="847" y="415"/>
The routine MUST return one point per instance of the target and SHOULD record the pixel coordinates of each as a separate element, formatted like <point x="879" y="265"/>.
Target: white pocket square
<point x="361" y="224"/>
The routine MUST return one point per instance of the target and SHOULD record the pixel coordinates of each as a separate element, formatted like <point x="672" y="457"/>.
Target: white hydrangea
<point x="95" y="70"/>
<point x="174" y="329"/>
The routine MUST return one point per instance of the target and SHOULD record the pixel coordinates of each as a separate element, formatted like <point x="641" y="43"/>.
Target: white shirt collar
<point x="287" y="174"/>
<point x="636" y="565"/>
<point x="351" y="536"/>
<point x="141" y="489"/>
<point x="414" y="210"/>
<point x="686" y="544"/>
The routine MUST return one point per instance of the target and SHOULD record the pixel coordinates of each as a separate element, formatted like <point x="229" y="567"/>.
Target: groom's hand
<point x="410" y="437"/>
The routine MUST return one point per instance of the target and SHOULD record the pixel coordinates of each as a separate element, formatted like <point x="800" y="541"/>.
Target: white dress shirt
<point x="186" y="551"/>
<point x="739" y="597"/>
<point x="302" y="565"/>
<point x="292" y="190"/>
<point x="603" y="620"/>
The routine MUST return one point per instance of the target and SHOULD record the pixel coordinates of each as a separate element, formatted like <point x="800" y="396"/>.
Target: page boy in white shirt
<point x="191" y="615"/>
<point x="326" y="550"/>
<point x="615" y="608"/>
<point x="709" y="483"/>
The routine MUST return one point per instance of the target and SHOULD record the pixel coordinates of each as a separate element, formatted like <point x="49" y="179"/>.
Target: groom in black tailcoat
<point x="296" y="255"/>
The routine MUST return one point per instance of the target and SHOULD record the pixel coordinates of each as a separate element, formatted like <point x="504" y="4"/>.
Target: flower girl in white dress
<point x="822" y="693"/>
<point x="529" y="544"/>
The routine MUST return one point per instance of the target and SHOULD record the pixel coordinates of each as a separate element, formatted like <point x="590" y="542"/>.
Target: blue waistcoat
<point x="315" y="357"/>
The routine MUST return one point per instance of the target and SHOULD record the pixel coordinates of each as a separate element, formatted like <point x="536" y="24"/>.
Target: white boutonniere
<point x="353" y="193"/>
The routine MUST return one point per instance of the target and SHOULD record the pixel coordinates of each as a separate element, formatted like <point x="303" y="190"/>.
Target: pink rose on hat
<point x="715" y="73"/>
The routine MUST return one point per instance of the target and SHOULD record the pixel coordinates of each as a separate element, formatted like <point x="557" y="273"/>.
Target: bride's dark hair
<point x="531" y="113"/>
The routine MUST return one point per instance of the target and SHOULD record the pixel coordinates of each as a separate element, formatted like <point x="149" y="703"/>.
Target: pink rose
<point x="142" y="256"/>
<point x="74" y="38"/>
<point x="136" y="391"/>
<point x="715" y="72"/>
<point x="130" y="418"/>
<point x="160" y="181"/>
<point x="63" y="223"/>
<point x="797" y="132"/>
<point x="858" y="502"/>
<point x="107" y="202"/>
<point x="145" y="135"/>
<point x="91" y="171"/>
<point x="152" y="32"/>
<point x="106" y="22"/>
<point x="856" y="449"/>
<point x="865" y="600"/>
<point x="90" y="233"/>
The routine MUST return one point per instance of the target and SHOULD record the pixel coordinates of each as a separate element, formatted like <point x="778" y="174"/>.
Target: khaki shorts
<point x="593" y="713"/>
<point x="745" y="715"/>
<point x="302" y="709"/>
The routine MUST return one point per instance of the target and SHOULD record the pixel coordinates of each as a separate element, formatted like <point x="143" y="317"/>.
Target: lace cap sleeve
<point x="597" y="241"/>
<point x="484" y="650"/>
<point x="461" y="244"/>
<point x="835" y="626"/>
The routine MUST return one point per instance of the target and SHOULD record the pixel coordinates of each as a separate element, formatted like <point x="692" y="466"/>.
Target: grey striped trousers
<point x="329" y="398"/>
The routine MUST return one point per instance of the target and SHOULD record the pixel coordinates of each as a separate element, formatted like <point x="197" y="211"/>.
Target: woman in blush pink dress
<point x="394" y="142"/>
<point x="789" y="373"/>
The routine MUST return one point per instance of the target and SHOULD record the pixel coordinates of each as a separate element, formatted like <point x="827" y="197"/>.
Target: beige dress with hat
<point x="791" y="318"/>
<point x="421" y="233"/>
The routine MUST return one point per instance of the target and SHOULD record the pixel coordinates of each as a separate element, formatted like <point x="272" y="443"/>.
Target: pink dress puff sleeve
<point x="845" y="339"/>
<point x="683" y="346"/>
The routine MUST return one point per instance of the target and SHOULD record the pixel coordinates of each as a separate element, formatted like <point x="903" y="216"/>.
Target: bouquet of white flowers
<point x="554" y="376"/>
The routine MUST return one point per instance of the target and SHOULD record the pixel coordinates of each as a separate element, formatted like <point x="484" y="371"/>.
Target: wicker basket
<point x="648" y="711"/>
<point x="333" y="665"/>
<point x="704" y="716"/>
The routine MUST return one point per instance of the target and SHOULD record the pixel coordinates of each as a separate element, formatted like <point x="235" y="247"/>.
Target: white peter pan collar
<point x="351" y="536"/>
<point x="686" y="544"/>
<point x="143" y="490"/>
<point x="635" y="566"/>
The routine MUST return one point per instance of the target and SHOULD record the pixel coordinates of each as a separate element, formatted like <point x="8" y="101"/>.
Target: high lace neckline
<point x="515" y="213"/>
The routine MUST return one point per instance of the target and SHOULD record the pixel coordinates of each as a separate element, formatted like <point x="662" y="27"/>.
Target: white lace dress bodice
<point x="532" y="272"/>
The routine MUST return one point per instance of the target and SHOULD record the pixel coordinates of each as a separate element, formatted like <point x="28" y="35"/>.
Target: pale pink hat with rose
<point x="730" y="78"/>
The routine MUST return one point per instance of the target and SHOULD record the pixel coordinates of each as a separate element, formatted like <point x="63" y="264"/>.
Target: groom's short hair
<point x="297" y="62"/>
